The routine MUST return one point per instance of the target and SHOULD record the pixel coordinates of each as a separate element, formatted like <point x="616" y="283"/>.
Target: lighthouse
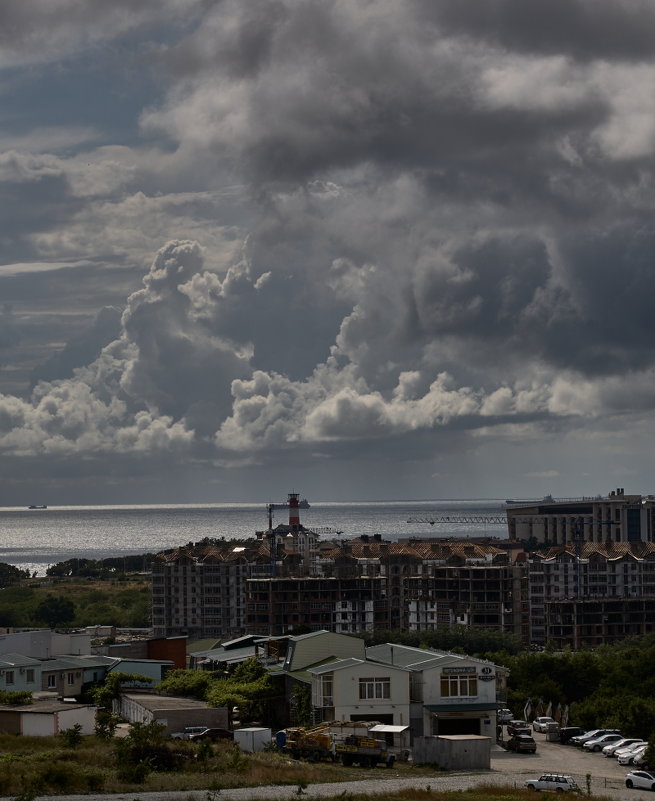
<point x="294" y="511"/>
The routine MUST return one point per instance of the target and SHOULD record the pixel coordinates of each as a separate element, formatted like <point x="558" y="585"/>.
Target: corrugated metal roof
<point x="387" y="729"/>
<point x="17" y="660"/>
<point x="337" y="664"/>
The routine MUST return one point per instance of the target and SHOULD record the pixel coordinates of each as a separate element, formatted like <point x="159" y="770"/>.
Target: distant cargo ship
<point x="37" y="506"/>
<point x="303" y="504"/>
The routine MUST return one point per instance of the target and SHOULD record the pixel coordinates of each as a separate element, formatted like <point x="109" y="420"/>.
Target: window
<point x="30" y="676"/>
<point x="9" y="677"/>
<point x="52" y="680"/>
<point x="375" y="688"/>
<point x="457" y="686"/>
<point x="326" y="691"/>
<point x="71" y="678"/>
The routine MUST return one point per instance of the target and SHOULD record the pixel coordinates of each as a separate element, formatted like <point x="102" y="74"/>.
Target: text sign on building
<point x="458" y="670"/>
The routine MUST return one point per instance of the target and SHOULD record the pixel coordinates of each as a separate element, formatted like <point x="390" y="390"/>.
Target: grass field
<point x="112" y="602"/>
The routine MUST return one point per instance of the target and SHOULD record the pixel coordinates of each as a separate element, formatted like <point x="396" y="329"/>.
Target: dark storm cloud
<point x="436" y="229"/>
<point x="333" y="85"/>
<point x="583" y="29"/>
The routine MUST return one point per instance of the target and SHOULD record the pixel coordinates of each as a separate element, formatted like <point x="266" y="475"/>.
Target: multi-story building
<point x="372" y="584"/>
<point x="342" y="605"/>
<point x="617" y="517"/>
<point x="483" y="596"/>
<point x="200" y="589"/>
<point x="572" y="587"/>
<point x="593" y="550"/>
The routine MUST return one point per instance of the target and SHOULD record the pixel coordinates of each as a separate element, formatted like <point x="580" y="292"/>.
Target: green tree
<point x="110" y="689"/>
<point x="10" y="574"/>
<point x="187" y="683"/>
<point x="55" y="611"/>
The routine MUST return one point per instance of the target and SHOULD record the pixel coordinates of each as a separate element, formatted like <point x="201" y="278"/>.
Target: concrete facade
<point x="43" y="718"/>
<point x="357" y="689"/>
<point x="44" y="643"/>
<point x="171" y="712"/>
<point x="453" y="752"/>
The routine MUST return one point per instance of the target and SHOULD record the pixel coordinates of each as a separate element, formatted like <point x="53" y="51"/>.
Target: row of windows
<point x="459" y="686"/>
<point x="374" y="688"/>
<point x="10" y="678"/>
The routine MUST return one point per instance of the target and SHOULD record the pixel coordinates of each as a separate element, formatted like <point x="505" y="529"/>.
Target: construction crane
<point x="465" y="519"/>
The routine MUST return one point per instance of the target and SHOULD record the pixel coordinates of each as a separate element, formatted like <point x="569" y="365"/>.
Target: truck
<point x="321" y="743"/>
<point x="365" y="751"/>
<point x="313" y="744"/>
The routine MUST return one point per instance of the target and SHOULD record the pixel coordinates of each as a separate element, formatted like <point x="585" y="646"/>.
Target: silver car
<point x="542" y="724"/>
<point x="611" y="749"/>
<point x="628" y="757"/>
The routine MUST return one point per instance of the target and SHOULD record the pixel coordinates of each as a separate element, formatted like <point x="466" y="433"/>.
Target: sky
<point x="357" y="249"/>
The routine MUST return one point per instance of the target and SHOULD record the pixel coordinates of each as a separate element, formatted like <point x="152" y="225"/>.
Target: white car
<point x="600" y="742"/>
<point x="641" y="779"/>
<point x="542" y="724"/>
<point x="556" y="782"/>
<point x="611" y="749"/>
<point x="629" y="756"/>
<point x="504" y="715"/>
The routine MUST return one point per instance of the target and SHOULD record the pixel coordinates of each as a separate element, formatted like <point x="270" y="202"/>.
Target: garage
<point x="459" y="719"/>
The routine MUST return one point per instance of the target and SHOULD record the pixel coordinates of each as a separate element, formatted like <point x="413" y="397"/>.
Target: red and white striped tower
<point x="294" y="511"/>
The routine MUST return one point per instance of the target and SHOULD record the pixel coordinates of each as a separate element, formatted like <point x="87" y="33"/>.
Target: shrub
<point x="72" y="737"/>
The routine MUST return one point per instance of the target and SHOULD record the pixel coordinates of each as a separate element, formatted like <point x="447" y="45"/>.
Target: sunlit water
<point x="35" y="538"/>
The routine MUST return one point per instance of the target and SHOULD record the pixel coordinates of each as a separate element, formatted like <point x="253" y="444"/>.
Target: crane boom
<point x="467" y="519"/>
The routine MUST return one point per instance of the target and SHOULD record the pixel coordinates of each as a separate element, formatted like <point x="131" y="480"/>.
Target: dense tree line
<point x="459" y="639"/>
<point x="111" y="567"/>
<point x="611" y="686"/>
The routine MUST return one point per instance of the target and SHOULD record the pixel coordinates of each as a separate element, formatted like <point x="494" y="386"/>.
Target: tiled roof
<point x="606" y="550"/>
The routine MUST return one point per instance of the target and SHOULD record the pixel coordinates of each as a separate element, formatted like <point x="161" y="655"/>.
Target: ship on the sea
<point x="37" y="506"/>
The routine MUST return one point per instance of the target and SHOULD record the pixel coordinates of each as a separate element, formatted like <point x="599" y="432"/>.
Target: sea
<point x="34" y="539"/>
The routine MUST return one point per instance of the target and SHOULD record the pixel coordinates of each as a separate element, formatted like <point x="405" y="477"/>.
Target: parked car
<point x="640" y="779"/>
<point x="568" y="732"/>
<point x="612" y="748"/>
<point x="522" y="744"/>
<point x="541" y="724"/>
<point x="628" y="749"/>
<point x="639" y="760"/>
<point x="187" y="731"/>
<point x="628" y="757"/>
<point x="597" y="743"/>
<point x="592" y="734"/>
<point x="518" y="727"/>
<point x="552" y="781"/>
<point x="504" y="715"/>
<point x="213" y="734"/>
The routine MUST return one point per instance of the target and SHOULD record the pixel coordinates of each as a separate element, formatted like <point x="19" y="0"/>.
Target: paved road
<point x="607" y="779"/>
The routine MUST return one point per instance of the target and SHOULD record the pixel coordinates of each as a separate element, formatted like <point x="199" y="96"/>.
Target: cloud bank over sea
<point x="377" y="249"/>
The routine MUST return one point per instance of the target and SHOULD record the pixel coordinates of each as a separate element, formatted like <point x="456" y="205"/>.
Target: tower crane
<point x="467" y="519"/>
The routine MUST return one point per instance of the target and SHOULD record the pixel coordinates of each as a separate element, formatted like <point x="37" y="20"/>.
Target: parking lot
<point x="607" y="776"/>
